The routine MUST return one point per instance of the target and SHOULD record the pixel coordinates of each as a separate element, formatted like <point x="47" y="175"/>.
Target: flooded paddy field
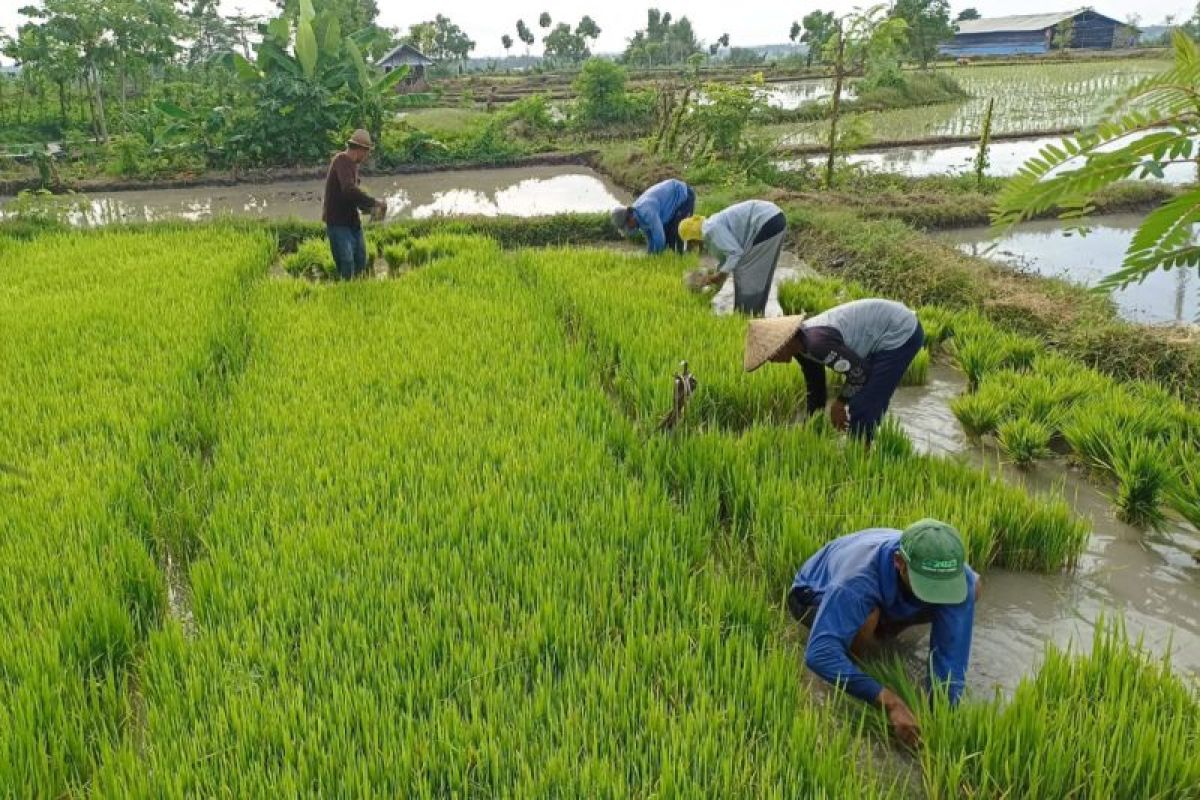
<point x="1048" y="247"/>
<point x="1149" y="578"/>
<point x="520" y="192"/>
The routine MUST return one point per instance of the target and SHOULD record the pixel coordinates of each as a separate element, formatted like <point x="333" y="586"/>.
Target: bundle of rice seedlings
<point x="812" y="295"/>
<point x="1024" y="440"/>
<point x="396" y="255"/>
<point x="1018" y="352"/>
<point x="917" y="373"/>
<point x="979" y="414"/>
<point x="1144" y="475"/>
<point x="977" y="357"/>
<point x="312" y="259"/>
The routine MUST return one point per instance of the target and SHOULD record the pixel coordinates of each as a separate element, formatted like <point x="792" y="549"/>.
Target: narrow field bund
<point x="443" y="552"/>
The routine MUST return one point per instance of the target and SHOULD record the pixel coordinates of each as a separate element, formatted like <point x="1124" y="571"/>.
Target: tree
<point x="967" y="14"/>
<point x="819" y="28"/>
<point x="1064" y="34"/>
<point x="587" y="28"/>
<point x="928" y="26"/>
<point x="544" y="20"/>
<point x="794" y="33"/>
<point x="723" y="40"/>
<point x="563" y="45"/>
<point x="1152" y="125"/>
<point x="525" y="35"/>
<point x="507" y="41"/>
<point x="662" y="40"/>
<point x="601" y="91"/>
<point x="440" y="38"/>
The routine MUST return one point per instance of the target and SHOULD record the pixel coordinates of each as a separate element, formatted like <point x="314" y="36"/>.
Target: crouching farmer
<point x="657" y="214"/>
<point x="342" y="204"/>
<point x="870" y="343"/>
<point x="867" y="587"/>
<point x="746" y="239"/>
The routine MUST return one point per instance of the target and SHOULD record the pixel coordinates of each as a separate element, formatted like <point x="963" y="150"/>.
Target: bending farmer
<point x="867" y="587"/>
<point x="870" y="343"/>
<point x="657" y="214"/>
<point x="343" y="202"/>
<point x="746" y="239"/>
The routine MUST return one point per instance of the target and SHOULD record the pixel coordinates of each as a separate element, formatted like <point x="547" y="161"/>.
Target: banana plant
<point x="1154" y="124"/>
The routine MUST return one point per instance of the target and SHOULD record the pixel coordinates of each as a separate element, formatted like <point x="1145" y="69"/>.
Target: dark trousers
<point x="672" y="227"/>
<point x="349" y="248"/>
<point x="887" y="368"/>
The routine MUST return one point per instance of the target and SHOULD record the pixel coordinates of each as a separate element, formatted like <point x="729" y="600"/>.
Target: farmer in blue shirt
<point x="867" y="587"/>
<point x="657" y="214"/>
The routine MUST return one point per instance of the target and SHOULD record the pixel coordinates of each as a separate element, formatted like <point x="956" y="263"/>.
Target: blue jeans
<point x="671" y="229"/>
<point x="349" y="248"/>
<point x="870" y="403"/>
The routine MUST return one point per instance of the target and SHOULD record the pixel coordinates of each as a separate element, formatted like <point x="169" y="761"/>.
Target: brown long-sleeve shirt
<point x="343" y="198"/>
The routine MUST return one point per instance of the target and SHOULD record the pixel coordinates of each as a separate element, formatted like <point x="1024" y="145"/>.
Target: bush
<point x="602" y="98"/>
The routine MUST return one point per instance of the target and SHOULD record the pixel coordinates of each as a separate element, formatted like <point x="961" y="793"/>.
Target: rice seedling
<point x="917" y="373"/>
<point x="1144" y="475"/>
<point x="312" y="260"/>
<point x="977" y="357"/>
<point x="979" y="414"/>
<point x="396" y="256"/>
<point x="938" y="324"/>
<point x="1111" y="723"/>
<point x="812" y="295"/>
<point x="1024" y="440"/>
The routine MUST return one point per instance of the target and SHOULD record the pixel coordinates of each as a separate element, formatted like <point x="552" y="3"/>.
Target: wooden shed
<point x="406" y="55"/>
<point x="1039" y="33"/>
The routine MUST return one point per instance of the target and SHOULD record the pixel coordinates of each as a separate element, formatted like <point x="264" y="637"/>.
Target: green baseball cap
<point x="936" y="562"/>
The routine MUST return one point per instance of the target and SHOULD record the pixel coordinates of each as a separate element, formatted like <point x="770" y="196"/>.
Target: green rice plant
<point x="813" y="295"/>
<point x="312" y="260"/>
<point x="1018" y="351"/>
<point x="979" y="414"/>
<point x="1024" y="440"/>
<point x="977" y="357"/>
<point x="1185" y="494"/>
<point x="1109" y="723"/>
<point x="917" y="373"/>
<point x="938" y="324"/>
<point x="396" y="256"/>
<point x="1144" y="475"/>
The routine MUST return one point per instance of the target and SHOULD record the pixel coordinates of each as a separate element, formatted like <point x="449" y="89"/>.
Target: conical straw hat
<point x="766" y="337"/>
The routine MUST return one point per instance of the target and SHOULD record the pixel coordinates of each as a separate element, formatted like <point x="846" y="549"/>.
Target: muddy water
<point x="1047" y="248"/>
<point x="1149" y="578"/>
<point x="1005" y="158"/>
<point x="521" y="192"/>
<point x="791" y="95"/>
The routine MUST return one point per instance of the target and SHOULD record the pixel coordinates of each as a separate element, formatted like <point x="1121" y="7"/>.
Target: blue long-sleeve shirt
<point x="852" y="576"/>
<point x="655" y="208"/>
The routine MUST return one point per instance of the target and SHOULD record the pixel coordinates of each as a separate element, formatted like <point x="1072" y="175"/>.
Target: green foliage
<point x="663" y="41"/>
<point x="312" y="260"/>
<point x="1149" y="126"/>
<point x="978" y="413"/>
<point x="813" y="295"/>
<point x="1144" y="475"/>
<point x="601" y="97"/>
<point x="928" y="24"/>
<point x="819" y="28"/>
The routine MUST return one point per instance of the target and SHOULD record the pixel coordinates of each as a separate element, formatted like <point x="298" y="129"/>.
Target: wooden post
<point x="839" y="73"/>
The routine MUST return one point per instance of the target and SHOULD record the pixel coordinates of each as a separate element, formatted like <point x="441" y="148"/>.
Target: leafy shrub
<point x="312" y="259"/>
<point x="602" y="99"/>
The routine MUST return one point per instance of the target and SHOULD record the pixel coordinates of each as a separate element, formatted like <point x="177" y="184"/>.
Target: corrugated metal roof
<point x="1021" y="22"/>
<point x="408" y="55"/>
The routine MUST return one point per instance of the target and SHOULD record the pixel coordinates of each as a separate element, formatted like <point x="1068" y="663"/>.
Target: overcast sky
<point x="748" y="22"/>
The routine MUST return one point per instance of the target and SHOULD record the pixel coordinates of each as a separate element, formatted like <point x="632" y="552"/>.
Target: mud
<point x="1150" y="579"/>
<point x="525" y="191"/>
<point x="1047" y="248"/>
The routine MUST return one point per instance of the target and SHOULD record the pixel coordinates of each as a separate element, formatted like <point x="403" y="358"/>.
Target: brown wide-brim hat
<point x="766" y="337"/>
<point x="361" y="138"/>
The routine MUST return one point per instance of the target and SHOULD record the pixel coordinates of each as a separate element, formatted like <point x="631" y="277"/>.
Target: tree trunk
<point x="101" y="122"/>
<point x="839" y="72"/>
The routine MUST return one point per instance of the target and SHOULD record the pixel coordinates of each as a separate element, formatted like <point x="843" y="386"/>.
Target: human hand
<point x="900" y="718"/>
<point x="839" y="415"/>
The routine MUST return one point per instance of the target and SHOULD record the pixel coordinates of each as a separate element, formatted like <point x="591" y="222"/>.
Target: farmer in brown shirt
<point x="343" y="202"/>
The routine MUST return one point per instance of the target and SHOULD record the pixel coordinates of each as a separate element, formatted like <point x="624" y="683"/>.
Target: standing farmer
<point x="343" y="202"/>
<point x="657" y="214"/>
<point x="868" y="342"/>
<point x="747" y="239"/>
<point x="868" y="587"/>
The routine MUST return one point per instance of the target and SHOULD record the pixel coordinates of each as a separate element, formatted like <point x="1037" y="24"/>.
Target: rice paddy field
<point x="421" y="537"/>
<point x="1028" y="97"/>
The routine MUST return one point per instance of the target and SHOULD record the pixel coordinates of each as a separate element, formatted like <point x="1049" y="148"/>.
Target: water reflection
<point x="1049" y="248"/>
<point x="1005" y="158"/>
<point x="525" y="192"/>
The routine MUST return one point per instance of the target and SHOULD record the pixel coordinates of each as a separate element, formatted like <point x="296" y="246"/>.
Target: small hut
<point x="1039" y="33"/>
<point x="406" y="55"/>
